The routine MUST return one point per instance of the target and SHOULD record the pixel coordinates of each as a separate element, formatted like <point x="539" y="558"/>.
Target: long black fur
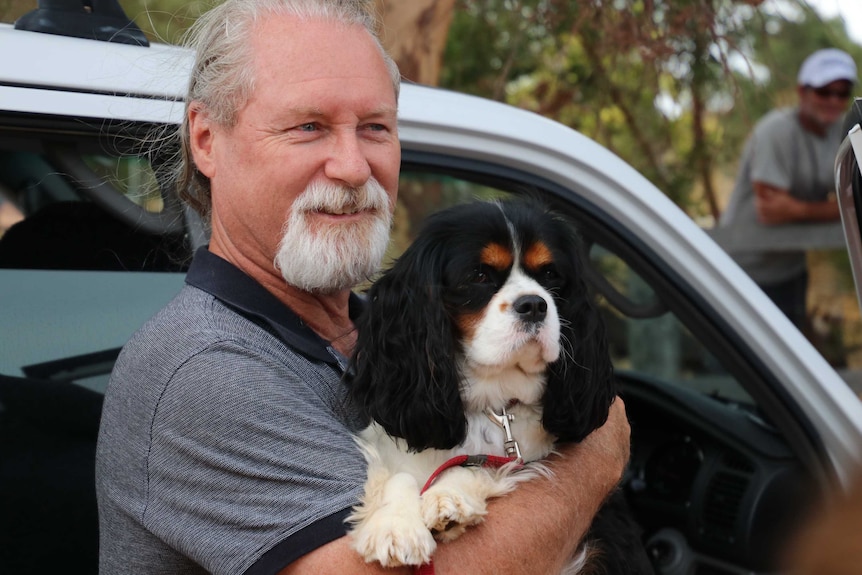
<point x="404" y="371"/>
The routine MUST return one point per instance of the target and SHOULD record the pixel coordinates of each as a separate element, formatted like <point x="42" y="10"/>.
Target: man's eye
<point x="308" y="127"/>
<point x="375" y="130"/>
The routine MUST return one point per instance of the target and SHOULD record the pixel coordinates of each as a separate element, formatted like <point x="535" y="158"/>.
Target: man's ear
<point x="201" y="136"/>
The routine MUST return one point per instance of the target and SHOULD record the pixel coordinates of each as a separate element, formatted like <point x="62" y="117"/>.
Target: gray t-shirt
<point x="222" y="448"/>
<point x="782" y="154"/>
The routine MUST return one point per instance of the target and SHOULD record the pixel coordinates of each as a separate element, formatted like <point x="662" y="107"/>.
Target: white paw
<point x="448" y="513"/>
<point x="394" y="538"/>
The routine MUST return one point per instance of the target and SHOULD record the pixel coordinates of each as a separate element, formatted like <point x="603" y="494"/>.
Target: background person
<point x="226" y="443"/>
<point x="786" y="176"/>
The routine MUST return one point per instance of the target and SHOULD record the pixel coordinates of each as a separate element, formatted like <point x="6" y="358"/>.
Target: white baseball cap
<point x="826" y="66"/>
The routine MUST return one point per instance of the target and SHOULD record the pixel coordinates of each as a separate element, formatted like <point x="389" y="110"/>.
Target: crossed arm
<point x="535" y="529"/>
<point x="776" y="206"/>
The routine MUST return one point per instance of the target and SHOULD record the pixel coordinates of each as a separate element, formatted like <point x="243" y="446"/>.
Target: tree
<point x="414" y="32"/>
<point x="164" y="21"/>
<point x="639" y="76"/>
<point x="672" y="86"/>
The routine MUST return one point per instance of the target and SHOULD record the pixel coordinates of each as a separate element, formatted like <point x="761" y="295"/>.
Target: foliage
<point x="493" y="41"/>
<point x="161" y="20"/>
<point x="165" y="20"/>
<point x="672" y="86"/>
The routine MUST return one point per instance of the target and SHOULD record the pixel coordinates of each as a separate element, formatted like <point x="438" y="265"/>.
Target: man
<point x="226" y="444"/>
<point x="786" y="176"/>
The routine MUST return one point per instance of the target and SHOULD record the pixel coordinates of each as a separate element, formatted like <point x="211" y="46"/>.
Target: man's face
<point x="322" y="113"/>
<point x="825" y="105"/>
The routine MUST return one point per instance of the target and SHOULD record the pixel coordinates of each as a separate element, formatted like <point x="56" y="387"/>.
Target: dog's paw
<point x="394" y="539"/>
<point x="448" y="513"/>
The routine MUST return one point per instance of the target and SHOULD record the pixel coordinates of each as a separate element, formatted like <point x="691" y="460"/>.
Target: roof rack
<point x="92" y="19"/>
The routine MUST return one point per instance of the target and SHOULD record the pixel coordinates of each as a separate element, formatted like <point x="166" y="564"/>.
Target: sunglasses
<point x="828" y="93"/>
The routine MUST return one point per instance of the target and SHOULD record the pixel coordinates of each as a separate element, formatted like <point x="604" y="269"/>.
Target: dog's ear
<point x="404" y="373"/>
<point x="581" y="384"/>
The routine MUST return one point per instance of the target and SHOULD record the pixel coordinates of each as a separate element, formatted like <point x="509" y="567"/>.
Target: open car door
<point x="848" y="182"/>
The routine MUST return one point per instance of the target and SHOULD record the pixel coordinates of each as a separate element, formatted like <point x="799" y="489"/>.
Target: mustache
<point x="335" y="198"/>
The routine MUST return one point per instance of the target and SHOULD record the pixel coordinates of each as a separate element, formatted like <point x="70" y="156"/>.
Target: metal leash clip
<point x="510" y="445"/>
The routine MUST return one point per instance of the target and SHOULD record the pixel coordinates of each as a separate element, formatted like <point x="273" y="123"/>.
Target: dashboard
<point x="715" y="487"/>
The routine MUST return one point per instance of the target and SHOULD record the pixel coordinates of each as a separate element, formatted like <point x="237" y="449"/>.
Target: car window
<point x="78" y="274"/>
<point x="69" y="325"/>
<point x="70" y="256"/>
<point x="647" y="339"/>
<point x="131" y="176"/>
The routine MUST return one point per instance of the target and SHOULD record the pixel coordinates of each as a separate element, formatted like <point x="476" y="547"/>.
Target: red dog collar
<point x="462" y="461"/>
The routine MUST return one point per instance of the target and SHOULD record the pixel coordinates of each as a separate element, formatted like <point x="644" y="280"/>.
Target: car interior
<point x="723" y="465"/>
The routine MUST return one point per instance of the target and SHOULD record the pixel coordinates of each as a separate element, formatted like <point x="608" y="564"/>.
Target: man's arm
<point x="534" y="529"/>
<point x="776" y="206"/>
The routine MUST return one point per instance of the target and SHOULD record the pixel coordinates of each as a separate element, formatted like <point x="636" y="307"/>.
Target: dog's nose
<point x="531" y="308"/>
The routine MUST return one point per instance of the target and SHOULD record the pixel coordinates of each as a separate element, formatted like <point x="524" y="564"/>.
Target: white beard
<point x="333" y="258"/>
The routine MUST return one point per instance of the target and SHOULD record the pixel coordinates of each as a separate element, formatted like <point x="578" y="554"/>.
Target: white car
<point x="738" y="422"/>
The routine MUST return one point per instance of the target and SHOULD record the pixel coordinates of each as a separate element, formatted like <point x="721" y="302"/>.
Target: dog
<point x="482" y="338"/>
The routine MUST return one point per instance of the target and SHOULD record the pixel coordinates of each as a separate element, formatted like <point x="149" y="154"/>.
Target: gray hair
<point x="222" y="78"/>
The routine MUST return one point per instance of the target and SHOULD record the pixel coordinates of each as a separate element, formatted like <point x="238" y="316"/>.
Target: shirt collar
<point x="234" y="288"/>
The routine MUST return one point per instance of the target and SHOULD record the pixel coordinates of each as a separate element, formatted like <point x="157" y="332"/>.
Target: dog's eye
<point x="549" y="273"/>
<point x="480" y="276"/>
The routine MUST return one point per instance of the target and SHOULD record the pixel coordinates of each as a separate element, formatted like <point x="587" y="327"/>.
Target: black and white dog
<point x="481" y="339"/>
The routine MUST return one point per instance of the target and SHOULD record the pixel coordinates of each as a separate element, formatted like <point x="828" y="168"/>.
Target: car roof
<point x="157" y="71"/>
<point x="59" y="75"/>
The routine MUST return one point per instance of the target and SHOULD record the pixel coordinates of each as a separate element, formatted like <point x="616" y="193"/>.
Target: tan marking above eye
<point x="537" y="256"/>
<point x="467" y="323"/>
<point x="496" y="256"/>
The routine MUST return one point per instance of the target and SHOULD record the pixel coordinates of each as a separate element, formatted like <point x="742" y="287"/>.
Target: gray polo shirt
<point x="781" y="153"/>
<point x="226" y="443"/>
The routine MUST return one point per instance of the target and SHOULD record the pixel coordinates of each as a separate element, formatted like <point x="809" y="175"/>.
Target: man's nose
<point x="347" y="161"/>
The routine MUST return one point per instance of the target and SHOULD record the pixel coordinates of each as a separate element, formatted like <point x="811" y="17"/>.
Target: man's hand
<point x="559" y="510"/>
<point x="776" y="206"/>
<point x="612" y="441"/>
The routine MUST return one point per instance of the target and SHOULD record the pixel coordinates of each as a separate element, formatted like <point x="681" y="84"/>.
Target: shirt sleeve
<point x="773" y="154"/>
<point x="251" y="461"/>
